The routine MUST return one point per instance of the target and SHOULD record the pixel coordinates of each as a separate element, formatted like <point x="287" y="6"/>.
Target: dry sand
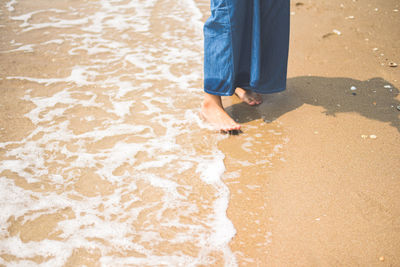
<point x="334" y="199"/>
<point x="329" y="195"/>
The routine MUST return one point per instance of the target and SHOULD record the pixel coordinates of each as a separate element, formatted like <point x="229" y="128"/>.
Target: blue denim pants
<point x="246" y="45"/>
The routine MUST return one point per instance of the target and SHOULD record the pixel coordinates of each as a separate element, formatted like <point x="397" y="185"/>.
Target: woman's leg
<point x="213" y="111"/>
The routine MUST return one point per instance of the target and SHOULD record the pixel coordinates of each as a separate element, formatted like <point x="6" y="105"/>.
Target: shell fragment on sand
<point x="334" y="32"/>
<point x="371" y="136"/>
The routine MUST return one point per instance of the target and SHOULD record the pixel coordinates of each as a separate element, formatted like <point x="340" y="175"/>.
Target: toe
<point x="231" y="128"/>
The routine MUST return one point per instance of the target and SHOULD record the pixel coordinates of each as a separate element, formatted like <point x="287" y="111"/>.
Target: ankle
<point x="240" y="91"/>
<point x="211" y="100"/>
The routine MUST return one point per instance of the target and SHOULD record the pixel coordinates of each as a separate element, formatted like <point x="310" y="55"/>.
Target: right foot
<point x="213" y="112"/>
<point x="249" y="97"/>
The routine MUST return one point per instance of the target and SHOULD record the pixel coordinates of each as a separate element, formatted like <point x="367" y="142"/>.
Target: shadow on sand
<point x="374" y="99"/>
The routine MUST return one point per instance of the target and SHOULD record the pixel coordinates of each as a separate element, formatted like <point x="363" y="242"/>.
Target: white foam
<point x="79" y="75"/>
<point x="23" y="48"/>
<point x="55" y="24"/>
<point x="196" y="18"/>
<point x="57" y="154"/>
<point x="10" y="5"/>
<point x="211" y="170"/>
<point x="223" y="230"/>
<point x="27" y="16"/>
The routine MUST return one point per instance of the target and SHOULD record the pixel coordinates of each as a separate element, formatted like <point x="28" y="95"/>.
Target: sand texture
<point x="104" y="160"/>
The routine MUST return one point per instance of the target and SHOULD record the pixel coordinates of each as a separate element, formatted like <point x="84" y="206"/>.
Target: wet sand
<point x="313" y="179"/>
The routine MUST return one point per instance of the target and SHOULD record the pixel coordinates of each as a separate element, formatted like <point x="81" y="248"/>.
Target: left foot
<point x="249" y="97"/>
<point x="213" y="112"/>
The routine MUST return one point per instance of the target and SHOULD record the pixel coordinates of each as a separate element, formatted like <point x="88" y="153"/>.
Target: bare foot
<point x="213" y="112"/>
<point x="248" y="96"/>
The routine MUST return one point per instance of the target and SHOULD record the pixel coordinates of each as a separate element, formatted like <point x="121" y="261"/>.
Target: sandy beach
<point x="104" y="160"/>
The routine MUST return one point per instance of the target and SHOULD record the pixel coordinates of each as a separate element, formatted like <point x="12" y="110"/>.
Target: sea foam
<point x="111" y="165"/>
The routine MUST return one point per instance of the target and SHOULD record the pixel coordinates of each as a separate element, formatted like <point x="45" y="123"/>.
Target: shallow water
<point x="107" y="163"/>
